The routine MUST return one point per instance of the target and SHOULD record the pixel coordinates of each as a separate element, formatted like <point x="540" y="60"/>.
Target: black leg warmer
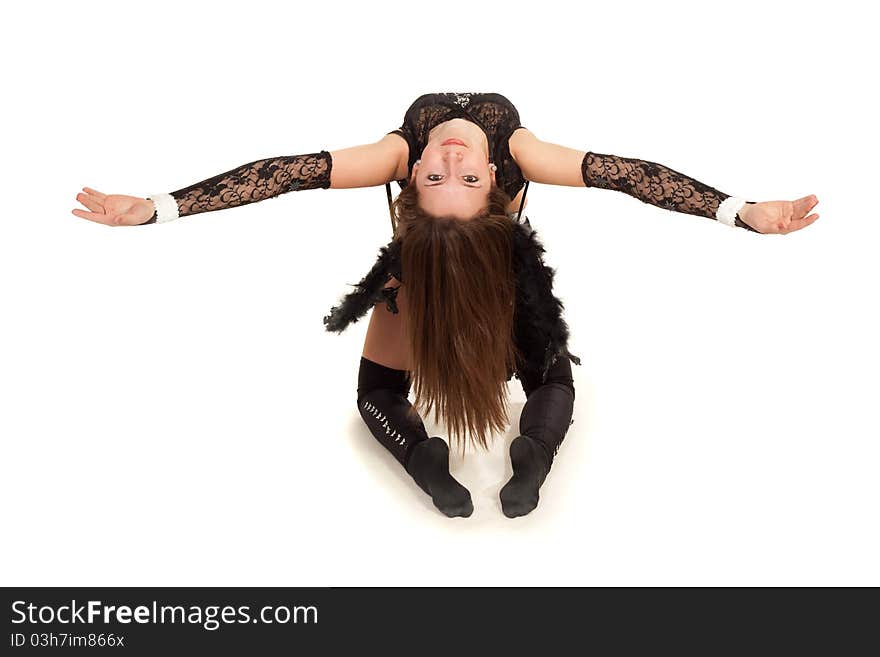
<point x="383" y="404"/>
<point x="544" y="421"/>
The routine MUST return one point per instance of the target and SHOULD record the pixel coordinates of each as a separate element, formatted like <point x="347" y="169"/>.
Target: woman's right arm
<point x="358" y="166"/>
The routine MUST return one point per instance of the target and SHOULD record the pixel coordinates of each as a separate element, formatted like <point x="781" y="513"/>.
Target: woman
<point x="461" y="299"/>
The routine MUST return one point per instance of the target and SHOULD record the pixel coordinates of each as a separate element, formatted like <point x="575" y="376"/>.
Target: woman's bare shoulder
<point x="544" y="162"/>
<point x="517" y="139"/>
<point x="401" y="147"/>
<point x="370" y="164"/>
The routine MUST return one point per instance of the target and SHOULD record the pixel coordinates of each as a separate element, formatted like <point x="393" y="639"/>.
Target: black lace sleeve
<point x="254" y="181"/>
<point x="653" y="183"/>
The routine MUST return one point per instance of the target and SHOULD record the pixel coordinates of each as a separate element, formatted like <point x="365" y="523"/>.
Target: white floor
<point x="195" y="425"/>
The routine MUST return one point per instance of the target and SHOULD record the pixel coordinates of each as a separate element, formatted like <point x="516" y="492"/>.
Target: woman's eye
<point x="435" y="177"/>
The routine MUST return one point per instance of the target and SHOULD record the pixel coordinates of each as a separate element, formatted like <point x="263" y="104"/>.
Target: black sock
<point x="543" y="424"/>
<point x="530" y="467"/>
<point x="428" y="463"/>
<point x="383" y="404"/>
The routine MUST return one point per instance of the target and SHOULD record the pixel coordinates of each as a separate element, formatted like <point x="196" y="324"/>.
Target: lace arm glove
<point x="254" y="181"/>
<point x="659" y="185"/>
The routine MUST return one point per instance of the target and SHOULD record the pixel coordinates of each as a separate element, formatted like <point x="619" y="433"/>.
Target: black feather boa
<point x="540" y="331"/>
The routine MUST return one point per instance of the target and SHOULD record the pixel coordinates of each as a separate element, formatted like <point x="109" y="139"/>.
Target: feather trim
<point x="368" y="291"/>
<point x="540" y="331"/>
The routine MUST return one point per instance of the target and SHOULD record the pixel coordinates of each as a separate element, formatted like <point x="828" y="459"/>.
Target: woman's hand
<point x="779" y="216"/>
<point x="115" y="209"/>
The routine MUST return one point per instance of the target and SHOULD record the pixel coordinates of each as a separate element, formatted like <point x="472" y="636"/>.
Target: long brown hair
<point x="460" y="293"/>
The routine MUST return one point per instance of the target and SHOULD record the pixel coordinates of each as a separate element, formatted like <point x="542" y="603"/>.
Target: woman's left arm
<point x="655" y="184"/>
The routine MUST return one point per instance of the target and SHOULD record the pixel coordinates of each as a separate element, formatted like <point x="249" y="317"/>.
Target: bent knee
<point x="565" y="383"/>
<point x="373" y="376"/>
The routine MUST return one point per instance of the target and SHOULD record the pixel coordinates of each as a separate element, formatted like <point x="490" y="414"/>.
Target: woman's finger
<point x="804" y="205"/>
<point x="97" y="217"/>
<point x="90" y="202"/>
<point x="95" y="193"/>
<point x="797" y="224"/>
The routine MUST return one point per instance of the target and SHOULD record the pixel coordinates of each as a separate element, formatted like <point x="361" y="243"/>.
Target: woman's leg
<point x="382" y="401"/>
<point x="544" y="421"/>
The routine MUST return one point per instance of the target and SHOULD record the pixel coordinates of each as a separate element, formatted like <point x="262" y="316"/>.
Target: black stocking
<point x="544" y="421"/>
<point x="383" y="404"/>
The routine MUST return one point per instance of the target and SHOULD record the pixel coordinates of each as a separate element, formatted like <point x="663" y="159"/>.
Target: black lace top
<point x="496" y="115"/>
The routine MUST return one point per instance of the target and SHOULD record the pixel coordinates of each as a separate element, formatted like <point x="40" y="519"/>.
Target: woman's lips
<point x="458" y="142"/>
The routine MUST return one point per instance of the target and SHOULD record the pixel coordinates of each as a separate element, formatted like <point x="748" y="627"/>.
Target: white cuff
<point x="166" y="207"/>
<point x="726" y="212"/>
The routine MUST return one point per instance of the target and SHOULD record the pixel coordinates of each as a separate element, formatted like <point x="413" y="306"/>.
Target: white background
<point x="174" y="413"/>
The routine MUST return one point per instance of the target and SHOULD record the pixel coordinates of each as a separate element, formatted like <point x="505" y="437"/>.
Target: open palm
<point x="780" y="216"/>
<point x="113" y="209"/>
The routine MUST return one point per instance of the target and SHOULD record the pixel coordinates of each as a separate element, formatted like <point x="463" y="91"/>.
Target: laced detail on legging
<point x="652" y="183"/>
<point x="256" y="181"/>
<point x="392" y="433"/>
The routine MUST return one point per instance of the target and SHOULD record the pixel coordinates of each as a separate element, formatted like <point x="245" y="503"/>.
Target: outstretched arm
<point x="653" y="183"/>
<point x="359" y="166"/>
<point x="248" y="183"/>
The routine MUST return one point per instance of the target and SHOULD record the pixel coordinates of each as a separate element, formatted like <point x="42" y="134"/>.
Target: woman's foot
<point x="428" y="464"/>
<point x="530" y="467"/>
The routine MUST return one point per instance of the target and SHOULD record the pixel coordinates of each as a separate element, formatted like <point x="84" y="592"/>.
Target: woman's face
<point x="454" y="179"/>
